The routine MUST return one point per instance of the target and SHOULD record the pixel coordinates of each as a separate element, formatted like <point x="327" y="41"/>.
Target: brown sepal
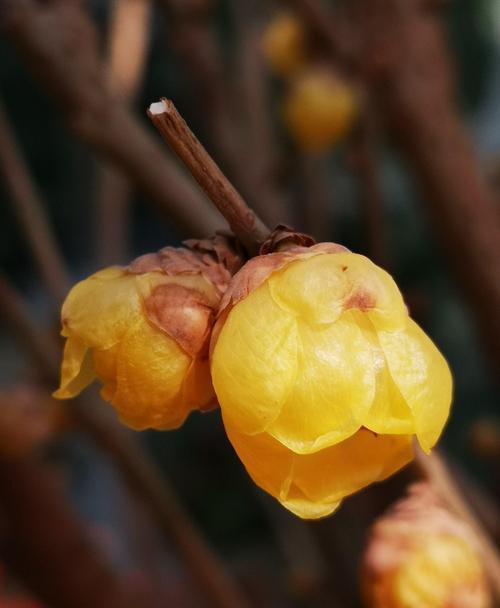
<point x="224" y="247"/>
<point x="184" y="314"/>
<point x="283" y="237"/>
<point x="174" y="261"/>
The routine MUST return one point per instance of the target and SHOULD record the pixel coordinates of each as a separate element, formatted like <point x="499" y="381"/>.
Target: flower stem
<point x="251" y="231"/>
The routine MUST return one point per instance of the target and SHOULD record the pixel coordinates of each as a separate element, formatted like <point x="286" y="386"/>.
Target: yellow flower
<point x="143" y="331"/>
<point x="422" y="555"/>
<point x="319" y="110"/>
<point x="284" y="44"/>
<point x="321" y="376"/>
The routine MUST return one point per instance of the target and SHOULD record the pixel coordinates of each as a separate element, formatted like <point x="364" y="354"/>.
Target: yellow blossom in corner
<point x="319" y="110"/>
<point x="143" y="331"/>
<point x="322" y="377"/>
<point x="420" y="554"/>
<point x="284" y="44"/>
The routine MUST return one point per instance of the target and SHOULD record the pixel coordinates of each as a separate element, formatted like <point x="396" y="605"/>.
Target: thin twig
<point x="242" y="220"/>
<point x="59" y="44"/>
<point x="139" y="470"/>
<point x="28" y="207"/>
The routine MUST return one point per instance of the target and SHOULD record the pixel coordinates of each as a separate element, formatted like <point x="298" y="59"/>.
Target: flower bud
<point x="321" y="376"/>
<point x="284" y="44"/>
<point x="143" y="331"/>
<point x="419" y="554"/>
<point x="319" y="110"/>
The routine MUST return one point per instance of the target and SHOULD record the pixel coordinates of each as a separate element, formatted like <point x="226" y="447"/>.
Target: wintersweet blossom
<point x="143" y="331"/>
<point x="420" y="554"/>
<point x="322" y="377"/>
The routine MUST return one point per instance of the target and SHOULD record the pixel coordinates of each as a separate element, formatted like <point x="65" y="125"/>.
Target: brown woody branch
<point x="58" y="42"/>
<point x="242" y="220"/>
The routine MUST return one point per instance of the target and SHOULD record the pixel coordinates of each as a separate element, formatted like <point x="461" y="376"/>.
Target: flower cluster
<point x="320" y="107"/>
<point x="322" y="378"/>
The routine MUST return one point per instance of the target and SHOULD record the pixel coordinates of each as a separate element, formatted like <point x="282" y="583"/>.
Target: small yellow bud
<point x="419" y="554"/>
<point x="143" y="331"/>
<point x="284" y="44"/>
<point x="319" y="110"/>
<point x="321" y="376"/>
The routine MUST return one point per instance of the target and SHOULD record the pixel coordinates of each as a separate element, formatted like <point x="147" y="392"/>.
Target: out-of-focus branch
<point x="251" y="95"/>
<point x="140" y="472"/>
<point x="316" y="196"/>
<point x="364" y="164"/>
<point x="58" y="42"/>
<point x="127" y="53"/>
<point x="128" y="46"/>
<point x="435" y="470"/>
<point x="29" y="210"/>
<point x="43" y="542"/>
<point x="193" y="38"/>
<point x="242" y="220"/>
<point x="399" y="52"/>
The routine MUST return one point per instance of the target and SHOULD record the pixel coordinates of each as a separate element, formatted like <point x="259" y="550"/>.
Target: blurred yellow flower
<point x="319" y="110"/>
<point x="284" y="44"/>
<point x="321" y="376"/>
<point x="419" y="554"/>
<point x="143" y="331"/>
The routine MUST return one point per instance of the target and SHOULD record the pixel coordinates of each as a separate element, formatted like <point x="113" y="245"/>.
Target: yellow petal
<point x="319" y="288"/>
<point x="389" y="413"/>
<point x="254" y="361"/>
<point x="345" y="468"/>
<point x="100" y="309"/>
<point x="150" y="372"/>
<point x="301" y="506"/>
<point x="373" y="291"/>
<point x="77" y="370"/>
<point x="197" y="388"/>
<point x="444" y="571"/>
<point x="333" y="390"/>
<point x="422" y="376"/>
<point x="312" y="485"/>
<point x="312" y="289"/>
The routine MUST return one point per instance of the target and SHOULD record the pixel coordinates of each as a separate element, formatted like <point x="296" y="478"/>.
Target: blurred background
<point x="80" y="190"/>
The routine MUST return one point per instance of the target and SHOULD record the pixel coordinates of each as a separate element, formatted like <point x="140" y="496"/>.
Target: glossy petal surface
<point x="316" y="483"/>
<point x="423" y="378"/>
